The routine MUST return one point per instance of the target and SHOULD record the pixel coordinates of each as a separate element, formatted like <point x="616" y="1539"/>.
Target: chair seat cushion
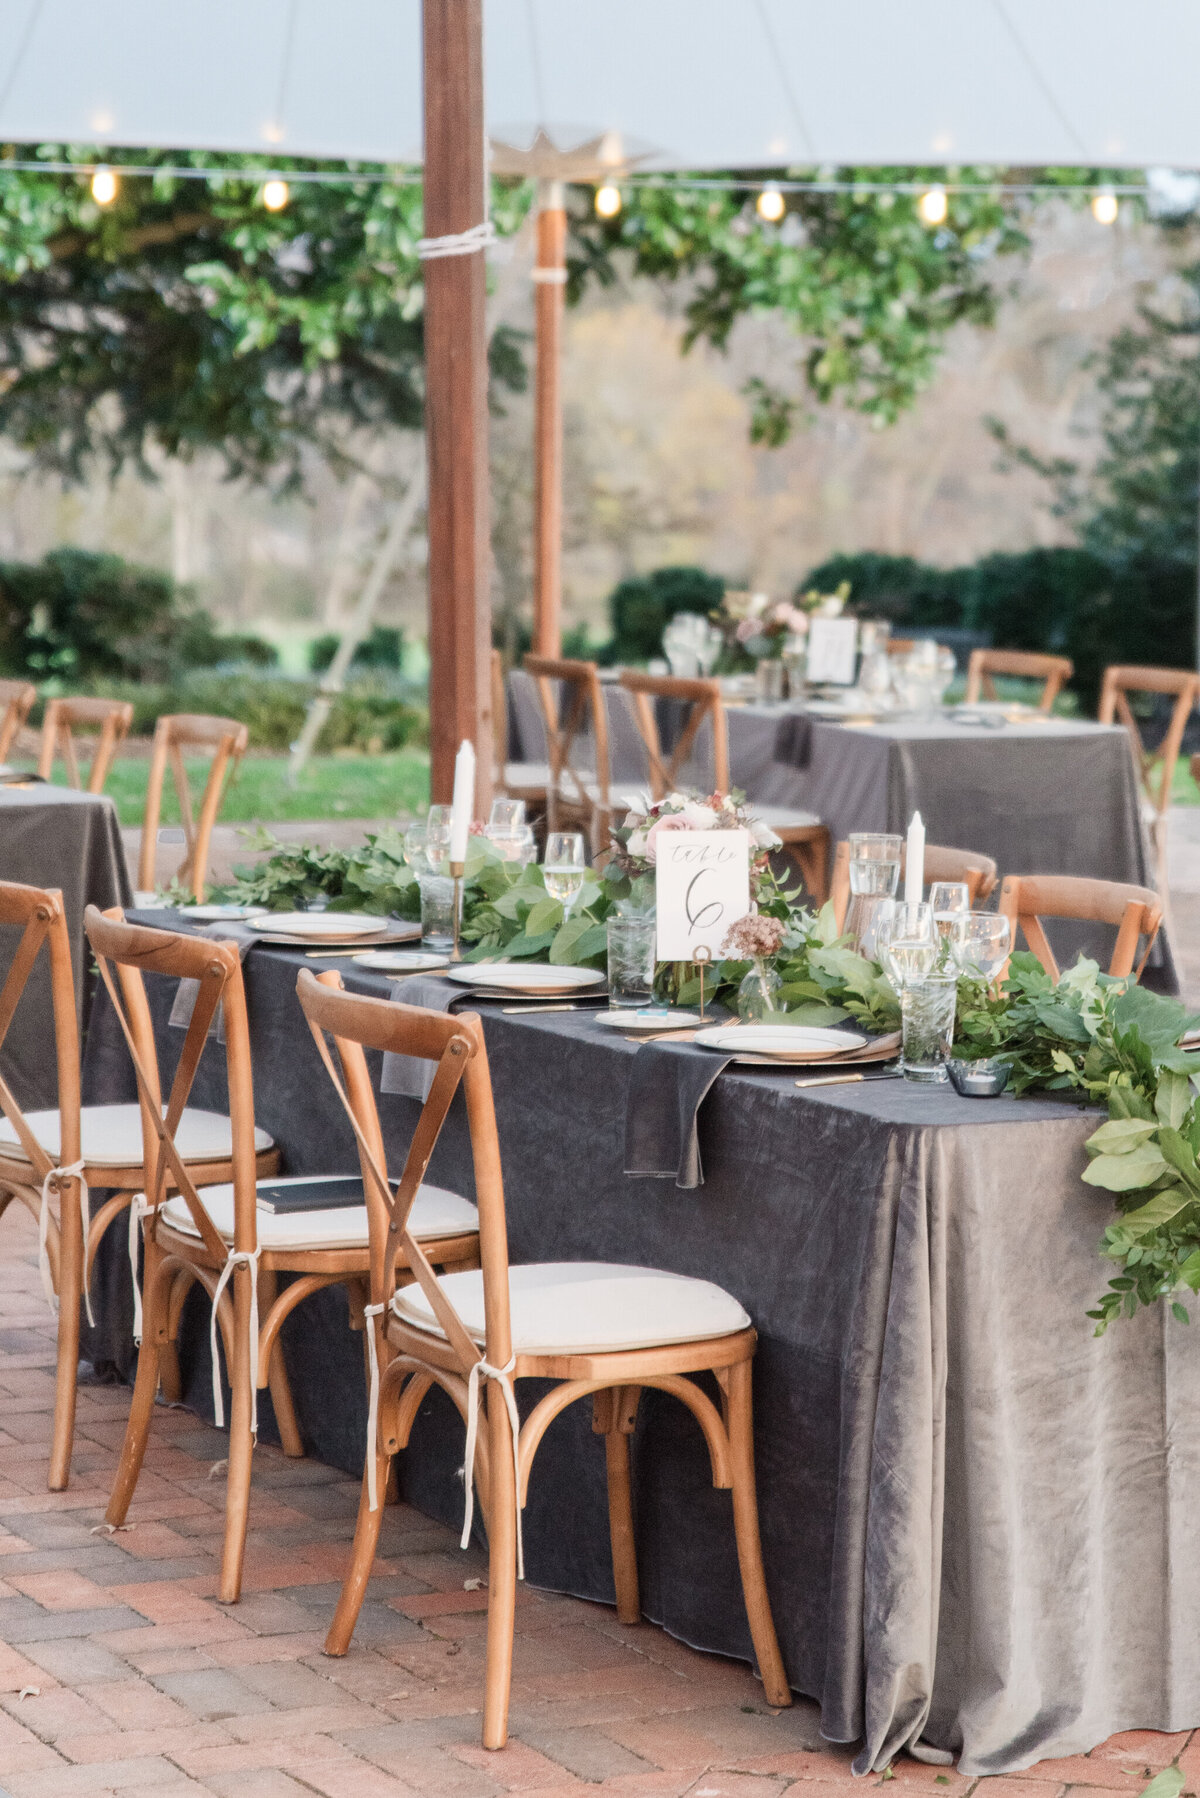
<point x="434" y="1213"/>
<point x="586" y="1307"/>
<point x="528" y="774"/>
<point x="112" y="1135"/>
<point x="785" y="817"/>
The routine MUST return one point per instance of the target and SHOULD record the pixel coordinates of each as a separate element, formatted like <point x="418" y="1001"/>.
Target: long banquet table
<point x="979" y="1521"/>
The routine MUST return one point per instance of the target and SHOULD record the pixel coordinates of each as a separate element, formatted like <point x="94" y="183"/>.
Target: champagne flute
<point x="563" y="866"/>
<point x="437" y="836"/>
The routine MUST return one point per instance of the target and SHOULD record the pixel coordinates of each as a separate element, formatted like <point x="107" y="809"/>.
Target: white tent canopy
<point x="699" y="84"/>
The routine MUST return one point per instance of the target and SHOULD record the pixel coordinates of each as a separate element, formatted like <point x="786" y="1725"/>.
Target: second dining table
<point x="977" y="1518"/>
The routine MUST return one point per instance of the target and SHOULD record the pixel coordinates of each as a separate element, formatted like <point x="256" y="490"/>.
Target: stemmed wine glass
<point x="437" y="837"/>
<point x="907" y="941"/>
<point x="563" y="867"/>
<point x="950" y="903"/>
<point x="984" y="945"/>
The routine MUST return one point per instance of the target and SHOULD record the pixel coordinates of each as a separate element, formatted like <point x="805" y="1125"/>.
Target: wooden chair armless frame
<point x="704" y="698"/>
<point x="1052" y="671"/>
<point x="172" y="734"/>
<point x="16" y="702"/>
<point x="505" y="1449"/>
<point x="1119" y="682"/>
<point x="113" y="716"/>
<point x="1136" y="911"/>
<point x="574" y="795"/>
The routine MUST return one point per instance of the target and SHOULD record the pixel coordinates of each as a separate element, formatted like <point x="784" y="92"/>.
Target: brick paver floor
<point x="119" y="1672"/>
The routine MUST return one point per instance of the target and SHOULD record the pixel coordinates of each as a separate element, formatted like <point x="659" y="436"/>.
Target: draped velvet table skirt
<point x="978" y="1521"/>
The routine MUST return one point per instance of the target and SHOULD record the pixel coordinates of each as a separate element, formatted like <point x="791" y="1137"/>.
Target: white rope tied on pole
<point x="370" y="1313"/>
<point x="53" y="1176"/>
<point x="457" y="243"/>
<point x="548" y="277"/>
<point x="249" y="1258"/>
<point x="140" y="1207"/>
<point x="483" y="1370"/>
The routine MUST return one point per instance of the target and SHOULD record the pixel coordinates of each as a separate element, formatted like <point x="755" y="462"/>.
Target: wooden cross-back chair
<point x="976" y="872"/>
<point x="598" y="1331"/>
<point x="214" y="1235"/>
<point x="66" y="1150"/>
<point x="1025" y="899"/>
<point x="1156" y="769"/>
<point x="1052" y="671"/>
<point x="16" y="703"/>
<point x="174" y="733"/>
<point x="110" y="717"/>
<point x="529" y="781"/>
<point x="576" y="719"/>
<point x="801" y="833"/>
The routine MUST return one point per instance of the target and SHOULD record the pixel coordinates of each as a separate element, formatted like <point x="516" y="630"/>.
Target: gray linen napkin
<point x="408" y="1074"/>
<point x="667" y="1087"/>
<point x="793" y="741"/>
<point x="188" y="991"/>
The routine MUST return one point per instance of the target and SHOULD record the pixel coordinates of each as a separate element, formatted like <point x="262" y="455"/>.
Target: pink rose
<point x="673" y="821"/>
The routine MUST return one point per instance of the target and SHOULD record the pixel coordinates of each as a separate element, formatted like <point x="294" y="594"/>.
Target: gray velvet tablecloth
<point x="54" y="837"/>
<point x="979" y="1522"/>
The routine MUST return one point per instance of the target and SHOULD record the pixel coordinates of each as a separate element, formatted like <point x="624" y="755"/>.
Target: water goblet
<point x="415" y="858"/>
<point x="950" y="902"/>
<point x="907" y="942"/>
<point x="984" y="945"/>
<point x="437" y="836"/>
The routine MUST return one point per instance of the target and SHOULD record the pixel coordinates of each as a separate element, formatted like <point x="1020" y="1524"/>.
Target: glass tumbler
<point x="437" y="912"/>
<point x="874" y="877"/>
<point x="630" y="962"/>
<point x="927" y="1014"/>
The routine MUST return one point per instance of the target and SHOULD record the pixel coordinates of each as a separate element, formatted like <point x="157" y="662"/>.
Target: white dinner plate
<point x="634" y="1021"/>
<point x="222" y="914"/>
<point x="401" y="961"/>
<point x="524" y="977"/>
<point x="320" y="925"/>
<point x="794" y="1042"/>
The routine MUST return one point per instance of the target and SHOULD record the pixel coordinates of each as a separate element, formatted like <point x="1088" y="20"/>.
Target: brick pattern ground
<point x="119" y="1672"/>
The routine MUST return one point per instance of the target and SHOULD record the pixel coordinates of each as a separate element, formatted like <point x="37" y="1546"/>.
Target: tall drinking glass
<point x="874" y="877"/>
<point x="630" y="961"/>
<point x="563" y="866"/>
<point x="927" y="1011"/>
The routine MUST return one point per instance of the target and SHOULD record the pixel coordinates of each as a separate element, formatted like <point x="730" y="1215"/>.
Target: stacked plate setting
<point x="524" y="980"/>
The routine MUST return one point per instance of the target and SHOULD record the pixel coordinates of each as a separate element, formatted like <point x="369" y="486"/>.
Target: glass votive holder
<point x="631" y="944"/>
<point x="437" y="912"/>
<point x="983" y="1079"/>
<point x="927" y="1020"/>
<point x="769" y="676"/>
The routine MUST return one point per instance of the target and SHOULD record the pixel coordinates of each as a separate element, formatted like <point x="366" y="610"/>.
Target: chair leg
<point x="241" y="1445"/>
<point x="170" y="1378"/>
<point x="155" y="1294"/>
<point x="502" y="1572"/>
<point x="70" y="1296"/>
<point x="277" y="1377"/>
<point x="614" y="1416"/>
<point x="740" y="1419"/>
<point x="362" y="1559"/>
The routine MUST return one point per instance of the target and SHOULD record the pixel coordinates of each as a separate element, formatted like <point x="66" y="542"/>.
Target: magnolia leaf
<point x="545" y="915"/>
<point x="1127" y="1102"/>
<point x="1120" y="1136"/>
<point x="577" y="940"/>
<point x="826" y="925"/>
<point x="1159" y="1021"/>
<point x="1167" y="1784"/>
<point x="1172" y="1099"/>
<point x="1125" y="1173"/>
<point x="822" y="1016"/>
<point x="1178" y="1151"/>
<point x="1151" y="1216"/>
<point x="848" y="969"/>
<point x="1189" y="1273"/>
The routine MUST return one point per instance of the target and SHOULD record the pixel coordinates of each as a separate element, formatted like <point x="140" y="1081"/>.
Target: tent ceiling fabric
<point x="708" y="84"/>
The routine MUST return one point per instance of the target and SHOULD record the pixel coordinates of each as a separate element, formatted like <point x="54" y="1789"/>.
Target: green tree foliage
<point x="869" y="288"/>
<point x="641" y="607"/>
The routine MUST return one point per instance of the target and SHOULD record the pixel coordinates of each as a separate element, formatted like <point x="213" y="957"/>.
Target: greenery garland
<point x="1112" y="1042"/>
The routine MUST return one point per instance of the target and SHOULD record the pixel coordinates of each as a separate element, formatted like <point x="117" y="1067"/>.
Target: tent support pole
<point x="456" y="421"/>
<point x="549" y="276"/>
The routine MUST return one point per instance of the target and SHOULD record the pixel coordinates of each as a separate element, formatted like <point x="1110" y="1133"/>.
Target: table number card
<point x="702" y="886"/>
<point x="832" y="649"/>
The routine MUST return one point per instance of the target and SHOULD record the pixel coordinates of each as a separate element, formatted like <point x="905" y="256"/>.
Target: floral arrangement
<point x="754" y="938"/>
<point x="634" y="846"/>
<point x="758" y="625"/>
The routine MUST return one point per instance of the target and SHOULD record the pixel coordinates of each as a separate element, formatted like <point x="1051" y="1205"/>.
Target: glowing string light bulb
<point x="104" y="187"/>
<point x="770" y="204"/>
<point x="933" y="205"/>
<point x="275" y="195"/>
<point x="1105" y="208"/>
<point x="608" y="200"/>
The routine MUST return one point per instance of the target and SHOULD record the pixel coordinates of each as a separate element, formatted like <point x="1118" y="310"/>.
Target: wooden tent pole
<point x="549" y="276"/>
<point x="456" y="398"/>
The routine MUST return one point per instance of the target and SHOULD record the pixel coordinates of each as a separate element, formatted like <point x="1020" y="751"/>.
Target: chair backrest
<point x="900" y="646"/>
<point x="1118" y="684"/>
<point x="977" y="873"/>
<point x="1136" y="911"/>
<point x="174" y="733"/>
<point x="706" y="708"/>
<point x="456" y="1043"/>
<point x="16" y="703"/>
<point x="573" y="707"/>
<point x="38" y="913"/>
<point x="134" y="950"/>
<point x="1052" y="671"/>
<point x="110" y="717"/>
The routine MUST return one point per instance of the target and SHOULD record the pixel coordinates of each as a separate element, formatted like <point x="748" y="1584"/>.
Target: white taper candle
<point x="914" y="862"/>
<point x="463" y="803"/>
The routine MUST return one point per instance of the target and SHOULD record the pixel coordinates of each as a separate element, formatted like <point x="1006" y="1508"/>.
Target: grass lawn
<point x="331" y="786"/>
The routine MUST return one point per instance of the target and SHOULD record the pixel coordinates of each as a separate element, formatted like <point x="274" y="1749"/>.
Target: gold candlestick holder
<point x="701" y="960"/>
<point x="457" y="870"/>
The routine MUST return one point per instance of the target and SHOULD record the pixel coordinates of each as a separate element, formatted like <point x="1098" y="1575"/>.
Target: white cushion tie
<point x="139" y="1208"/>
<point x="483" y="1370"/>
<point x="249" y="1257"/>
<point x="371" y="1312"/>
<point x="54" y="1175"/>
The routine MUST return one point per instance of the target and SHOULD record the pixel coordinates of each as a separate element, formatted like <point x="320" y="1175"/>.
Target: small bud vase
<point x="758" y="994"/>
